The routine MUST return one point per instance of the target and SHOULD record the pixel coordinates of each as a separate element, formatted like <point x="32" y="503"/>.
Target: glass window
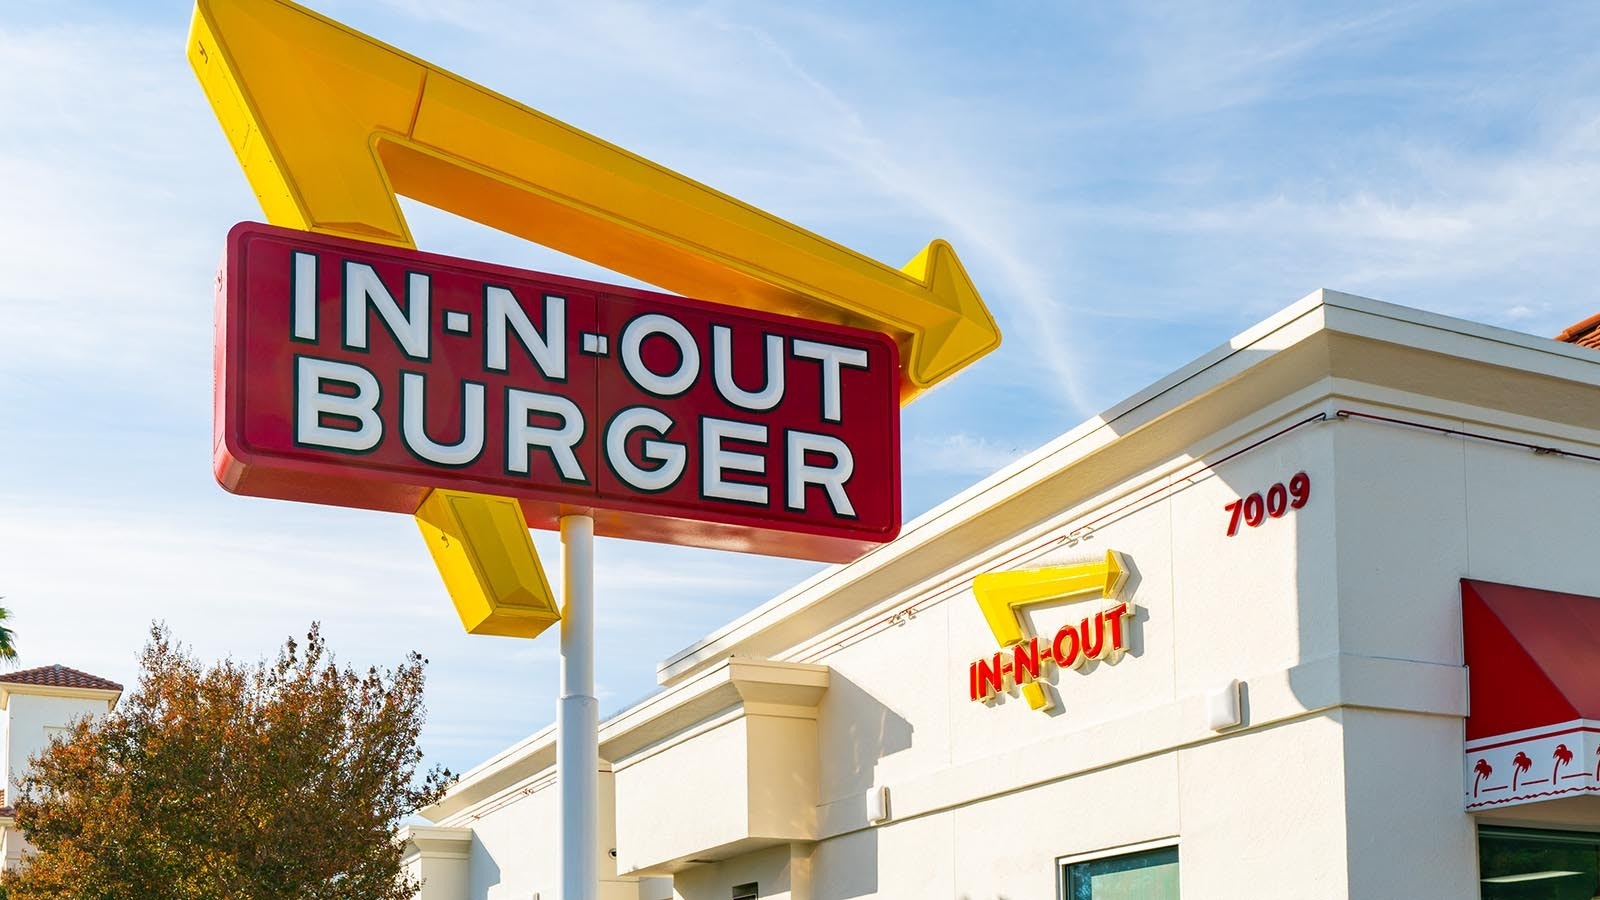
<point x="1523" y="864"/>
<point x="1152" y="875"/>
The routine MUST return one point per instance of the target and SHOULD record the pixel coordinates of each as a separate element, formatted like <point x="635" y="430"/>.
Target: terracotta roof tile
<point x="1584" y="334"/>
<point x="59" y="676"/>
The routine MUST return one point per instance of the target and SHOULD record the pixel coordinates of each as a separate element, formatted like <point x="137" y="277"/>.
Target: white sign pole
<point x="578" y="716"/>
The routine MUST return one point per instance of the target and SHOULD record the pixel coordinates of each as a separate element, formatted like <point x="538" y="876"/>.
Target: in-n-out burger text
<point x="375" y="374"/>
<point x="336" y="403"/>
<point x="1101" y="636"/>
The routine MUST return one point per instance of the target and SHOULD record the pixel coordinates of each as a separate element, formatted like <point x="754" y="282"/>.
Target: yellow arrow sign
<point x="480" y="544"/>
<point x="330" y="124"/>
<point x="1003" y="595"/>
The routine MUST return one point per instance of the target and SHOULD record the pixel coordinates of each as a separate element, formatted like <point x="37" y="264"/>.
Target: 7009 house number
<point x="1277" y="501"/>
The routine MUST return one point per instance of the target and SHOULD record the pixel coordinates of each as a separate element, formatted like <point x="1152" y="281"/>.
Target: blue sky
<point x="1128" y="185"/>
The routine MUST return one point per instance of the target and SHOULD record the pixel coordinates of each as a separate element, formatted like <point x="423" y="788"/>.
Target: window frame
<point x="1064" y="864"/>
<point x="1587" y="836"/>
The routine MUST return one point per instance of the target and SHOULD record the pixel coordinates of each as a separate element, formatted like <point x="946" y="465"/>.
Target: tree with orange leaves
<point x="232" y="782"/>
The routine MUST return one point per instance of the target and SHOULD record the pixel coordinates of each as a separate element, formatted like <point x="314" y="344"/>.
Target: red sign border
<point x="243" y="470"/>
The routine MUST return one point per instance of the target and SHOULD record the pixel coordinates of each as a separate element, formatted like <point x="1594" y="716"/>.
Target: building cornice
<point x="1325" y="338"/>
<point x="41" y="690"/>
<point x="432" y="841"/>
<point x="755" y="686"/>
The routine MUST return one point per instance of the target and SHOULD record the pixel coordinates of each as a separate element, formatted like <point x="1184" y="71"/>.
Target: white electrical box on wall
<point x="1223" y="709"/>
<point x="878" y="805"/>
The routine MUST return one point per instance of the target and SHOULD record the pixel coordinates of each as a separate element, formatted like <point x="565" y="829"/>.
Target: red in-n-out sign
<point x="362" y="375"/>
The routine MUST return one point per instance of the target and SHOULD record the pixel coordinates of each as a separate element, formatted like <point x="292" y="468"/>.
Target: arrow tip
<point x="1116" y="573"/>
<point x="968" y="334"/>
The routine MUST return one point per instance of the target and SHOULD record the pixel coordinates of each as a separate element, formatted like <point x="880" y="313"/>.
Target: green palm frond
<point x="8" y="647"/>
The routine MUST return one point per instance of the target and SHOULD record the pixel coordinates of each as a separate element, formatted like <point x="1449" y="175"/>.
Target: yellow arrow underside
<point x="481" y="546"/>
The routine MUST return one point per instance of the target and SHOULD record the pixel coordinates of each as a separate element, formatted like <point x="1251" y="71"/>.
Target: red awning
<point x="1533" y="657"/>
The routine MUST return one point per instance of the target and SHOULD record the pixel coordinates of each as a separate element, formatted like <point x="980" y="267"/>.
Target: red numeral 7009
<point x="1255" y="509"/>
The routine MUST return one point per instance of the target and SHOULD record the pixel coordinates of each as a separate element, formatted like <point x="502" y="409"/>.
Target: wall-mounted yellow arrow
<point x="330" y="124"/>
<point x="1003" y="595"/>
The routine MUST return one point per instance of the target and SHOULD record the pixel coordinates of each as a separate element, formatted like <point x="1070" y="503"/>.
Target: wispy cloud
<point x="1205" y="59"/>
<point x="102" y="159"/>
<point x="1504" y="236"/>
<point x="869" y="154"/>
<point x="962" y="454"/>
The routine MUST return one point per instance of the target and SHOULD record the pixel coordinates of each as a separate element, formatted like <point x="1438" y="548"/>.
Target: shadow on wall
<point x="847" y="866"/>
<point x="864" y="732"/>
<point x="484" y="872"/>
<point x="1262" y="481"/>
<point x="873" y="732"/>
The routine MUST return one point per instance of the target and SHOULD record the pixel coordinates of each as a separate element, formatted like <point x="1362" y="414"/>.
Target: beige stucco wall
<point x="1342" y="621"/>
<point x="782" y="872"/>
<point x="986" y="797"/>
<point x="513" y="852"/>
<point x="439" y="859"/>
<point x="30" y="720"/>
<point x="32" y="716"/>
<point x="691" y="796"/>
